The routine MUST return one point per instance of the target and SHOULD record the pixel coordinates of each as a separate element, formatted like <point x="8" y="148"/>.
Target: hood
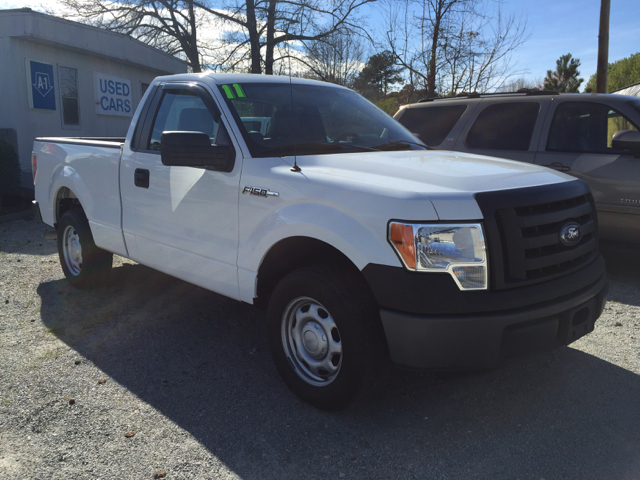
<point x="448" y="179"/>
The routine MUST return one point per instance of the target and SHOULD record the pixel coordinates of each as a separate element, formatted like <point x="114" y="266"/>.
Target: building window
<point x="68" y="78"/>
<point x="143" y="88"/>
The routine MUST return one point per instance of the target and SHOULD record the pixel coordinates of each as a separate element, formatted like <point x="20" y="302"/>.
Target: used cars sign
<point x="113" y="95"/>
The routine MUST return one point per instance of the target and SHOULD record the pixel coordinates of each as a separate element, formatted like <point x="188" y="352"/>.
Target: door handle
<point x="558" y="166"/>
<point x="141" y="178"/>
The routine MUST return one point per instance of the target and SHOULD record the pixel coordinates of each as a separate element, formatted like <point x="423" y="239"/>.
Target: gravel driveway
<point x="152" y="377"/>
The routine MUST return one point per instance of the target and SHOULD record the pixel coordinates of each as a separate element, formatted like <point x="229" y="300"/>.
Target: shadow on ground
<point x="623" y="267"/>
<point x="202" y="361"/>
<point x="27" y="237"/>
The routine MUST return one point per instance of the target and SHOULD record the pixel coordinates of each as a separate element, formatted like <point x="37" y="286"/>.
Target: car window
<point x="585" y="127"/>
<point x="433" y="123"/>
<point x="280" y="119"/>
<point x="181" y="110"/>
<point x="504" y="126"/>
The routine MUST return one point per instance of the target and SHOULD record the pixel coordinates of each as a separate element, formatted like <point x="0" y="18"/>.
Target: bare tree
<point x="170" y="25"/>
<point x="449" y="45"/>
<point x="521" y="83"/>
<point x="337" y="58"/>
<point x="254" y="32"/>
<point x="268" y="25"/>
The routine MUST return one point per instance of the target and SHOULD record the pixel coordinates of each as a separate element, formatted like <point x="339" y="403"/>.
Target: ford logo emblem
<point x="570" y="234"/>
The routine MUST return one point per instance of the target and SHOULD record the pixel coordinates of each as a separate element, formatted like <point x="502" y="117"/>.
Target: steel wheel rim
<point x="72" y="250"/>
<point x="311" y="341"/>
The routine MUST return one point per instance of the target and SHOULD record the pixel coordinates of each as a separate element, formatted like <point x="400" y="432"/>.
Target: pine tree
<point x="565" y="78"/>
<point x="376" y="76"/>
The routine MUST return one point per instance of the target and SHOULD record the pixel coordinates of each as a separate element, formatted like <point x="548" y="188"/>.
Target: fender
<point x="93" y="179"/>
<point x="360" y="242"/>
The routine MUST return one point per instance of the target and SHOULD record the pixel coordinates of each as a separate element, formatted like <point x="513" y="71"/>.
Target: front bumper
<point x="482" y="339"/>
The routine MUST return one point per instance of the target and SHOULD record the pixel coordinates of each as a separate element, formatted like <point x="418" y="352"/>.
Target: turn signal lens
<point x="454" y="248"/>
<point x="402" y="238"/>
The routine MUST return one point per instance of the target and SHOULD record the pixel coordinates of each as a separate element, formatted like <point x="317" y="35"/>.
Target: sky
<point x="558" y="27"/>
<point x="555" y="27"/>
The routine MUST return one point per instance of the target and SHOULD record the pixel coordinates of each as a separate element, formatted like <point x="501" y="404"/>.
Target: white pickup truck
<point x="364" y="246"/>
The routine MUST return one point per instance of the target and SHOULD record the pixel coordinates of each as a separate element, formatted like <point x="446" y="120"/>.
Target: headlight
<point x="457" y="249"/>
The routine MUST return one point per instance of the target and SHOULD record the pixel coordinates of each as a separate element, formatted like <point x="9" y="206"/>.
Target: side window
<point x="585" y="127"/>
<point x="182" y="110"/>
<point x="69" y="94"/>
<point x="616" y="122"/>
<point x="504" y="126"/>
<point x="432" y="124"/>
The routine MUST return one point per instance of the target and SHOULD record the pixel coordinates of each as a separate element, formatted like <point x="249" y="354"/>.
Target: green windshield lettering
<point x="228" y="91"/>
<point x="239" y="91"/>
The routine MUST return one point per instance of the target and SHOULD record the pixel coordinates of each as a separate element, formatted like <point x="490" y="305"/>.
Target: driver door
<point x="183" y="220"/>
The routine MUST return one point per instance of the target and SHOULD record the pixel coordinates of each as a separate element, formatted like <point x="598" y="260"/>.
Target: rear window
<point x="432" y="124"/>
<point x="504" y="126"/>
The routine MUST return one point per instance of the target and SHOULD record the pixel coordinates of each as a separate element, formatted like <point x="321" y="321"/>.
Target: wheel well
<point x="293" y="253"/>
<point x="65" y="200"/>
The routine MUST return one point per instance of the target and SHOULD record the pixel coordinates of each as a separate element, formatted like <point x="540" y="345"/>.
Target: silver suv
<point x="590" y="136"/>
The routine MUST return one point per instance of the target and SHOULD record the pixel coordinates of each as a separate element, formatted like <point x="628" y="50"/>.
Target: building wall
<point x="49" y="40"/>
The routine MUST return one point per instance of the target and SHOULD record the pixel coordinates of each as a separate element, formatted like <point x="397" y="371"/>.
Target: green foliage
<point x="389" y="105"/>
<point x="565" y="78"/>
<point x="9" y="171"/>
<point x="620" y="74"/>
<point x="376" y="76"/>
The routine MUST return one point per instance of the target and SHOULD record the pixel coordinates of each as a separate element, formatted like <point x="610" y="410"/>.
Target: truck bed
<point x="113" y="142"/>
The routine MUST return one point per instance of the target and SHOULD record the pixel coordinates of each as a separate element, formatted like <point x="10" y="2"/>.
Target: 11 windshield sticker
<point x="233" y="91"/>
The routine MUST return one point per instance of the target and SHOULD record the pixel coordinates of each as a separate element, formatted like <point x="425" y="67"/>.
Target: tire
<point x="326" y="337"/>
<point x="83" y="263"/>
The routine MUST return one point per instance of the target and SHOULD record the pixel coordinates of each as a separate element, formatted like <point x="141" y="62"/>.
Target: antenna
<point x="295" y="167"/>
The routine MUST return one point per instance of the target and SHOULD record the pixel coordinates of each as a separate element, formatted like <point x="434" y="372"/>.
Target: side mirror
<point x="627" y="140"/>
<point x="194" y="149"/>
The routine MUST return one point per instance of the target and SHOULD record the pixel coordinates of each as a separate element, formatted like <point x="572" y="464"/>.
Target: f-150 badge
<point x="260" y="192"/>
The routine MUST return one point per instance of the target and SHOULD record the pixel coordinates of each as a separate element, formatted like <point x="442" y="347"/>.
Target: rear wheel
<point x="326" y="337"/>
<point x="83" y="263"/>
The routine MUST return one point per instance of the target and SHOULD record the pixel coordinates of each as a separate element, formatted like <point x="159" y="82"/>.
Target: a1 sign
<point x="113" y="95"/>
<point x="43" y="96"/>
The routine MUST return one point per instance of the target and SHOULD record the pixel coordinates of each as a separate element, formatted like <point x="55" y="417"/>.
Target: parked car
<point x="590" y="136"/>
<point x="303" y="197"/>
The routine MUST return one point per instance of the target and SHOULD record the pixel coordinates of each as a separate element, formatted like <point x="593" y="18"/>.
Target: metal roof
<point x="633" y="90"/>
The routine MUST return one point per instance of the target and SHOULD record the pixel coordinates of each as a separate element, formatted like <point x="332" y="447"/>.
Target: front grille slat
<point x="544" y="261"/>
<point x="554" y="217"/>
<point x="524" y="227"/>
<point x="540" y="241"/>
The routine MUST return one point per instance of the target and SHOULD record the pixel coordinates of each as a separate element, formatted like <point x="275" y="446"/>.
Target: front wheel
<point x="83" y="263"/>
<point x="326" y="336"/>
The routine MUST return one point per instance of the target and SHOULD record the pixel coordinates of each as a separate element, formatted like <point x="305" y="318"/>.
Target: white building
<point x="633" y="90"/>
<point x="65" y="79"/>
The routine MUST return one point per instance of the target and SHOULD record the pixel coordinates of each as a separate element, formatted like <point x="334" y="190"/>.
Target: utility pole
<point x="603" y="47"/>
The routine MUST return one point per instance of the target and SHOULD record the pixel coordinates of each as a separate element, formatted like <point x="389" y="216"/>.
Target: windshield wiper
<point x="311" y="148"/>
<point x="400" y="145"/>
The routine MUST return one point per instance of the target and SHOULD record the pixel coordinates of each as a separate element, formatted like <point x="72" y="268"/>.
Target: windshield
<point x="281" y="119"/>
